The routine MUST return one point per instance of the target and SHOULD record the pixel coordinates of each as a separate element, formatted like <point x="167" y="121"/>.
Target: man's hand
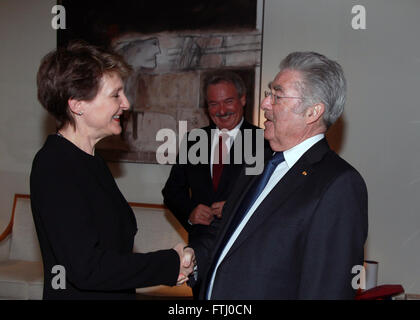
<point x="187" y="262"/>
<point x="217" y="208"/>
<point x="201" y="214"/>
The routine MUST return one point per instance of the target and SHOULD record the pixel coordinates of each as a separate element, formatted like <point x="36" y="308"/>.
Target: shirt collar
<point x="292" y="155"/>
<point x="233" y="132"/>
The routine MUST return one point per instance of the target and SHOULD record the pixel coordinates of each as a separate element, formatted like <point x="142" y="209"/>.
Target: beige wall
<point x="379" y="132"/>
<point x="25" y="36"/>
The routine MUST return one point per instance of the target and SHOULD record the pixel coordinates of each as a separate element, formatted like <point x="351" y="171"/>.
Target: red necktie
<point x="219" y="154"/>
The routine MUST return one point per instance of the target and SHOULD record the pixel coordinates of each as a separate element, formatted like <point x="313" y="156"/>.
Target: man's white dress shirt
<point x="229" y="141"/>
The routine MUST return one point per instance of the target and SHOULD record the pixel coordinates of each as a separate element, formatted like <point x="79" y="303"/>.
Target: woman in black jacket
<point x="83" y="222"/>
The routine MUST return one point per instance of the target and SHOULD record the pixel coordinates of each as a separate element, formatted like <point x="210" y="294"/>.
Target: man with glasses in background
<point x="296" y="230"/>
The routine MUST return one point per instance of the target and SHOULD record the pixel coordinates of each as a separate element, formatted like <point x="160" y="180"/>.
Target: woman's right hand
<point x="187" y="262"/>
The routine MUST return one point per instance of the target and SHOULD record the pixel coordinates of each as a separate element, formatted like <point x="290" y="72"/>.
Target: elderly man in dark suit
<point x="296" y="230"/>
<point x="196" y="193"/>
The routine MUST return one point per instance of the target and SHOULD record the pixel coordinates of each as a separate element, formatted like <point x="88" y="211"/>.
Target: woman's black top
<point x="85" y="225"/>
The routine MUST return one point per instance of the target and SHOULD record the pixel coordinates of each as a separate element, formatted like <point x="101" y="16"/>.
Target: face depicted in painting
<point x="140" y="53"/>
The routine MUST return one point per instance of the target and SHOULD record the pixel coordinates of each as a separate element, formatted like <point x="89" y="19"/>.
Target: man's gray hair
<point x="219" y="76"/>
<point x="323" y="81"/>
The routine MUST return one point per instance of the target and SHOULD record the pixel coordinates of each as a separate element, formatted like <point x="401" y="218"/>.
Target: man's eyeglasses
<point x="275" y="99"/>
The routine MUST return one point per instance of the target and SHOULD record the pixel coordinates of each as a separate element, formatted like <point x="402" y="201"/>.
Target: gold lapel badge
<point x="304" y="173"/>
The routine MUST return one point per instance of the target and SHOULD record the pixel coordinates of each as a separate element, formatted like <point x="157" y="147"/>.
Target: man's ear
<point x="243" y="100"/>
<point x="75" y="106"/>
<point x="314" y="113"/>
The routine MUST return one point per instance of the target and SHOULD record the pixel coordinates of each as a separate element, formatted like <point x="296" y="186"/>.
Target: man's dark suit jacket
<point x="300" y="243"/>
<point x="189" y="184"/>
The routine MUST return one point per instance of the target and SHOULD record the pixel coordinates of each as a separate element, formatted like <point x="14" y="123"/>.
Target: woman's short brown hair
<point x="74" y="72"/>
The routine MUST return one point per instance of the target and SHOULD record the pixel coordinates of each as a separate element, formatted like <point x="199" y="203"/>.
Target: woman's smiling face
<point x="101" y="115"/>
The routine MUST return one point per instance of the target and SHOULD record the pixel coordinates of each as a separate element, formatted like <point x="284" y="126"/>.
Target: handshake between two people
<point x="187" y="262"/>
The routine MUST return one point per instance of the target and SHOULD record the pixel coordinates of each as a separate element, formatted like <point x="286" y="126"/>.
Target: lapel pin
<point x="304" y="173"/>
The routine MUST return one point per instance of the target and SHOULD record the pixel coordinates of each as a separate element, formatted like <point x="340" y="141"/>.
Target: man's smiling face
<point x="226" y="108"/>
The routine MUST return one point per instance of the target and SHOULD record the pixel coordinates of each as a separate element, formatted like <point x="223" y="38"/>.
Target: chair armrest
<point x="5" y="242"/>
<point x="9" y="227"/>
<point x="6" y="234"/>
<point x="7" y="231"/>
<point x="5" y="248"/>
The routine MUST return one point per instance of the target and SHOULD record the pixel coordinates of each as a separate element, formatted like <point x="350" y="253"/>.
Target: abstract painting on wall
<point x="171" y="47"/>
